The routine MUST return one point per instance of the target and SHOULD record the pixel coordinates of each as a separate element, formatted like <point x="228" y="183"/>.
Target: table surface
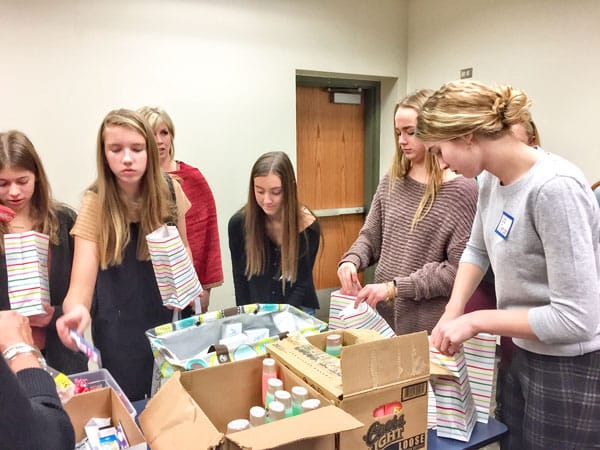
<point x="483" y="434"/>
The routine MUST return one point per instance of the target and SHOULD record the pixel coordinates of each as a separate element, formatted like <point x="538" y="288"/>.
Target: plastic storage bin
<point x="100" y="378"/>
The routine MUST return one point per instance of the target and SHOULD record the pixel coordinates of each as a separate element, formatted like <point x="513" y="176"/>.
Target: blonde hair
<point x="532" y="132"/>
<point x="463" y="107"/>
<point x="256" y="239"/>
<point x="156" y="205"/>
<point x="401" y="165"/>
<point x="155" y="116"/>
<point x="17" y="151"/>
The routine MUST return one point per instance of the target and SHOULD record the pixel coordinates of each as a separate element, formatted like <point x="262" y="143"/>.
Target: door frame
<point x="372" y="98"/>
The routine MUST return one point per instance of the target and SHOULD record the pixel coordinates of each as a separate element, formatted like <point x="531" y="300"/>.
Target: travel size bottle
<point x="334" y="345"/>
<point x="310" y="404"/>
<point x="285" y="398"/>
<point x="237" y="425"/>
<point x="257" y="416"/>
<point x="276" y="411"/>
<point x="273" y="385"/>
<point x="299" y="394"/>
<point x="269" y="371"/>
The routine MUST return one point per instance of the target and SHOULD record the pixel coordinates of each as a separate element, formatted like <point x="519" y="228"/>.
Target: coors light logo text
<point x="388" y="436"/>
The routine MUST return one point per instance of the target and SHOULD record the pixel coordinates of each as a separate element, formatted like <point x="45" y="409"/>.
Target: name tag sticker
<point x="505" y="224"/>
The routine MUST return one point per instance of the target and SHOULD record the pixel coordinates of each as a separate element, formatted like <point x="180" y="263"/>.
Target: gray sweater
<point x="549" y="260"/>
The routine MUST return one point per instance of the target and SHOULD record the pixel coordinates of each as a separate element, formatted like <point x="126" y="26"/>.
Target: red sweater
<point x="201" y="225"/>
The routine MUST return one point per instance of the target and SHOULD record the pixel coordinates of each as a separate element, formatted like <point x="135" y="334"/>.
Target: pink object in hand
<point x="6" y="214"/>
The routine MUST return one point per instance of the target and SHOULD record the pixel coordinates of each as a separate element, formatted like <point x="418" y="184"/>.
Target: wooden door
<point x="330" y="165"/>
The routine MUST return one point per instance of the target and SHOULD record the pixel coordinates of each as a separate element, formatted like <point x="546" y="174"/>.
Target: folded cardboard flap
<point x="172" y="419"/>
<point x="380" y="363"/>
<point x="224" y="392"/>
<point x="103" y="402"/>
<point x="316" y="367"/>
<point x="320" y="422"/>
<point x="369" y="365"/>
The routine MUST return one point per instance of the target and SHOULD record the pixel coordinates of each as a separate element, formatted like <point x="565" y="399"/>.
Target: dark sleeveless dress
<point x="126" y="303"/>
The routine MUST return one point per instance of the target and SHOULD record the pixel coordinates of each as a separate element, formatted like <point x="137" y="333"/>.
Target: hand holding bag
<point x="343" y="315"/>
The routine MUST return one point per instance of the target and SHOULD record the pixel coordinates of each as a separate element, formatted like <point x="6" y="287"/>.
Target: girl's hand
<point x="42" y="320"/>
<point x="449" y="333"/>
<point x="348" y="278"/>
<point x="78" y="319"/>
<point x="372" y="294"/>
<point x="15" y="328"/>
<point x="204" y="301"/>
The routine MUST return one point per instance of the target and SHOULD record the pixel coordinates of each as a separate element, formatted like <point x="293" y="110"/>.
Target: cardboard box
<point x="103" y="403"/>
<point x="369" y="373"/>
<point x="192" y="409"/>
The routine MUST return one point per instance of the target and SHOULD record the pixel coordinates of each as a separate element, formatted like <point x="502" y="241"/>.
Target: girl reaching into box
<point x="416" y="230"/>
<point x="274" y="240"/>
<point x="113" y="279"/>
<point x="25" y="189"/>
<point x="538" y="226"/>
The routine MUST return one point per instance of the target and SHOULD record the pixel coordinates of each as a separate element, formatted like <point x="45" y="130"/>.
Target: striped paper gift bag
<point x="455" y="407"/>
<point x="480" y="353"/>
<point x="175" y="275"/>
<point x="27" y="271"/>
<point x="343" y="315"/>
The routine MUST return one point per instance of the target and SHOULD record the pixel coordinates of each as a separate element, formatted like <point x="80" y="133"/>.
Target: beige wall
<point x="224" y="69"/>
<point x="549" y="48"/>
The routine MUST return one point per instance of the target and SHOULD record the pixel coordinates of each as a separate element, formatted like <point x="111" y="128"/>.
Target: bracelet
<point x="391" y="291"/>
<point x="20" y="348"/>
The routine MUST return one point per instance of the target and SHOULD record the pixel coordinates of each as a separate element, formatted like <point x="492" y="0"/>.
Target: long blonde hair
<point x="17" y="151"/>
<point x="256" y="239"/>
<point x="156" y="207"/>
<point x="463" y="107"/>
<point x="401" y="165"/>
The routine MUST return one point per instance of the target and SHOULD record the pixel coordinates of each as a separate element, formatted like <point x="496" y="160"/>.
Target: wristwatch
<point x="21" y="347"/>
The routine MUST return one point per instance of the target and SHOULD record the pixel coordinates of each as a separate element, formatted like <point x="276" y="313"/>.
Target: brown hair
<point x="156" y="206"/>
<point x="17" y="151"/>
<point x="279" y="164"/>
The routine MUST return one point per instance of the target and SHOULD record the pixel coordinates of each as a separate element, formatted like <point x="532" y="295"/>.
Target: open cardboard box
<point x="369" y="373"/>
<point x="103" y="402"/>
<point x="192" y="409"/>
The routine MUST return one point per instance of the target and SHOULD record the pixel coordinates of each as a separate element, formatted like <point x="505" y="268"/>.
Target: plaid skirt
<point x="552" y="402"/>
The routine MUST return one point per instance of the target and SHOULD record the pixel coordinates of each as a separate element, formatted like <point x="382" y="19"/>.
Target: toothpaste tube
<point x="86" y="348"/>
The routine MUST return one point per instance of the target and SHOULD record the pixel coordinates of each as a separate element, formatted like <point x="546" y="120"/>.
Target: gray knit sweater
<point x="422" y="262"/>
<point x="549" y="260"/>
